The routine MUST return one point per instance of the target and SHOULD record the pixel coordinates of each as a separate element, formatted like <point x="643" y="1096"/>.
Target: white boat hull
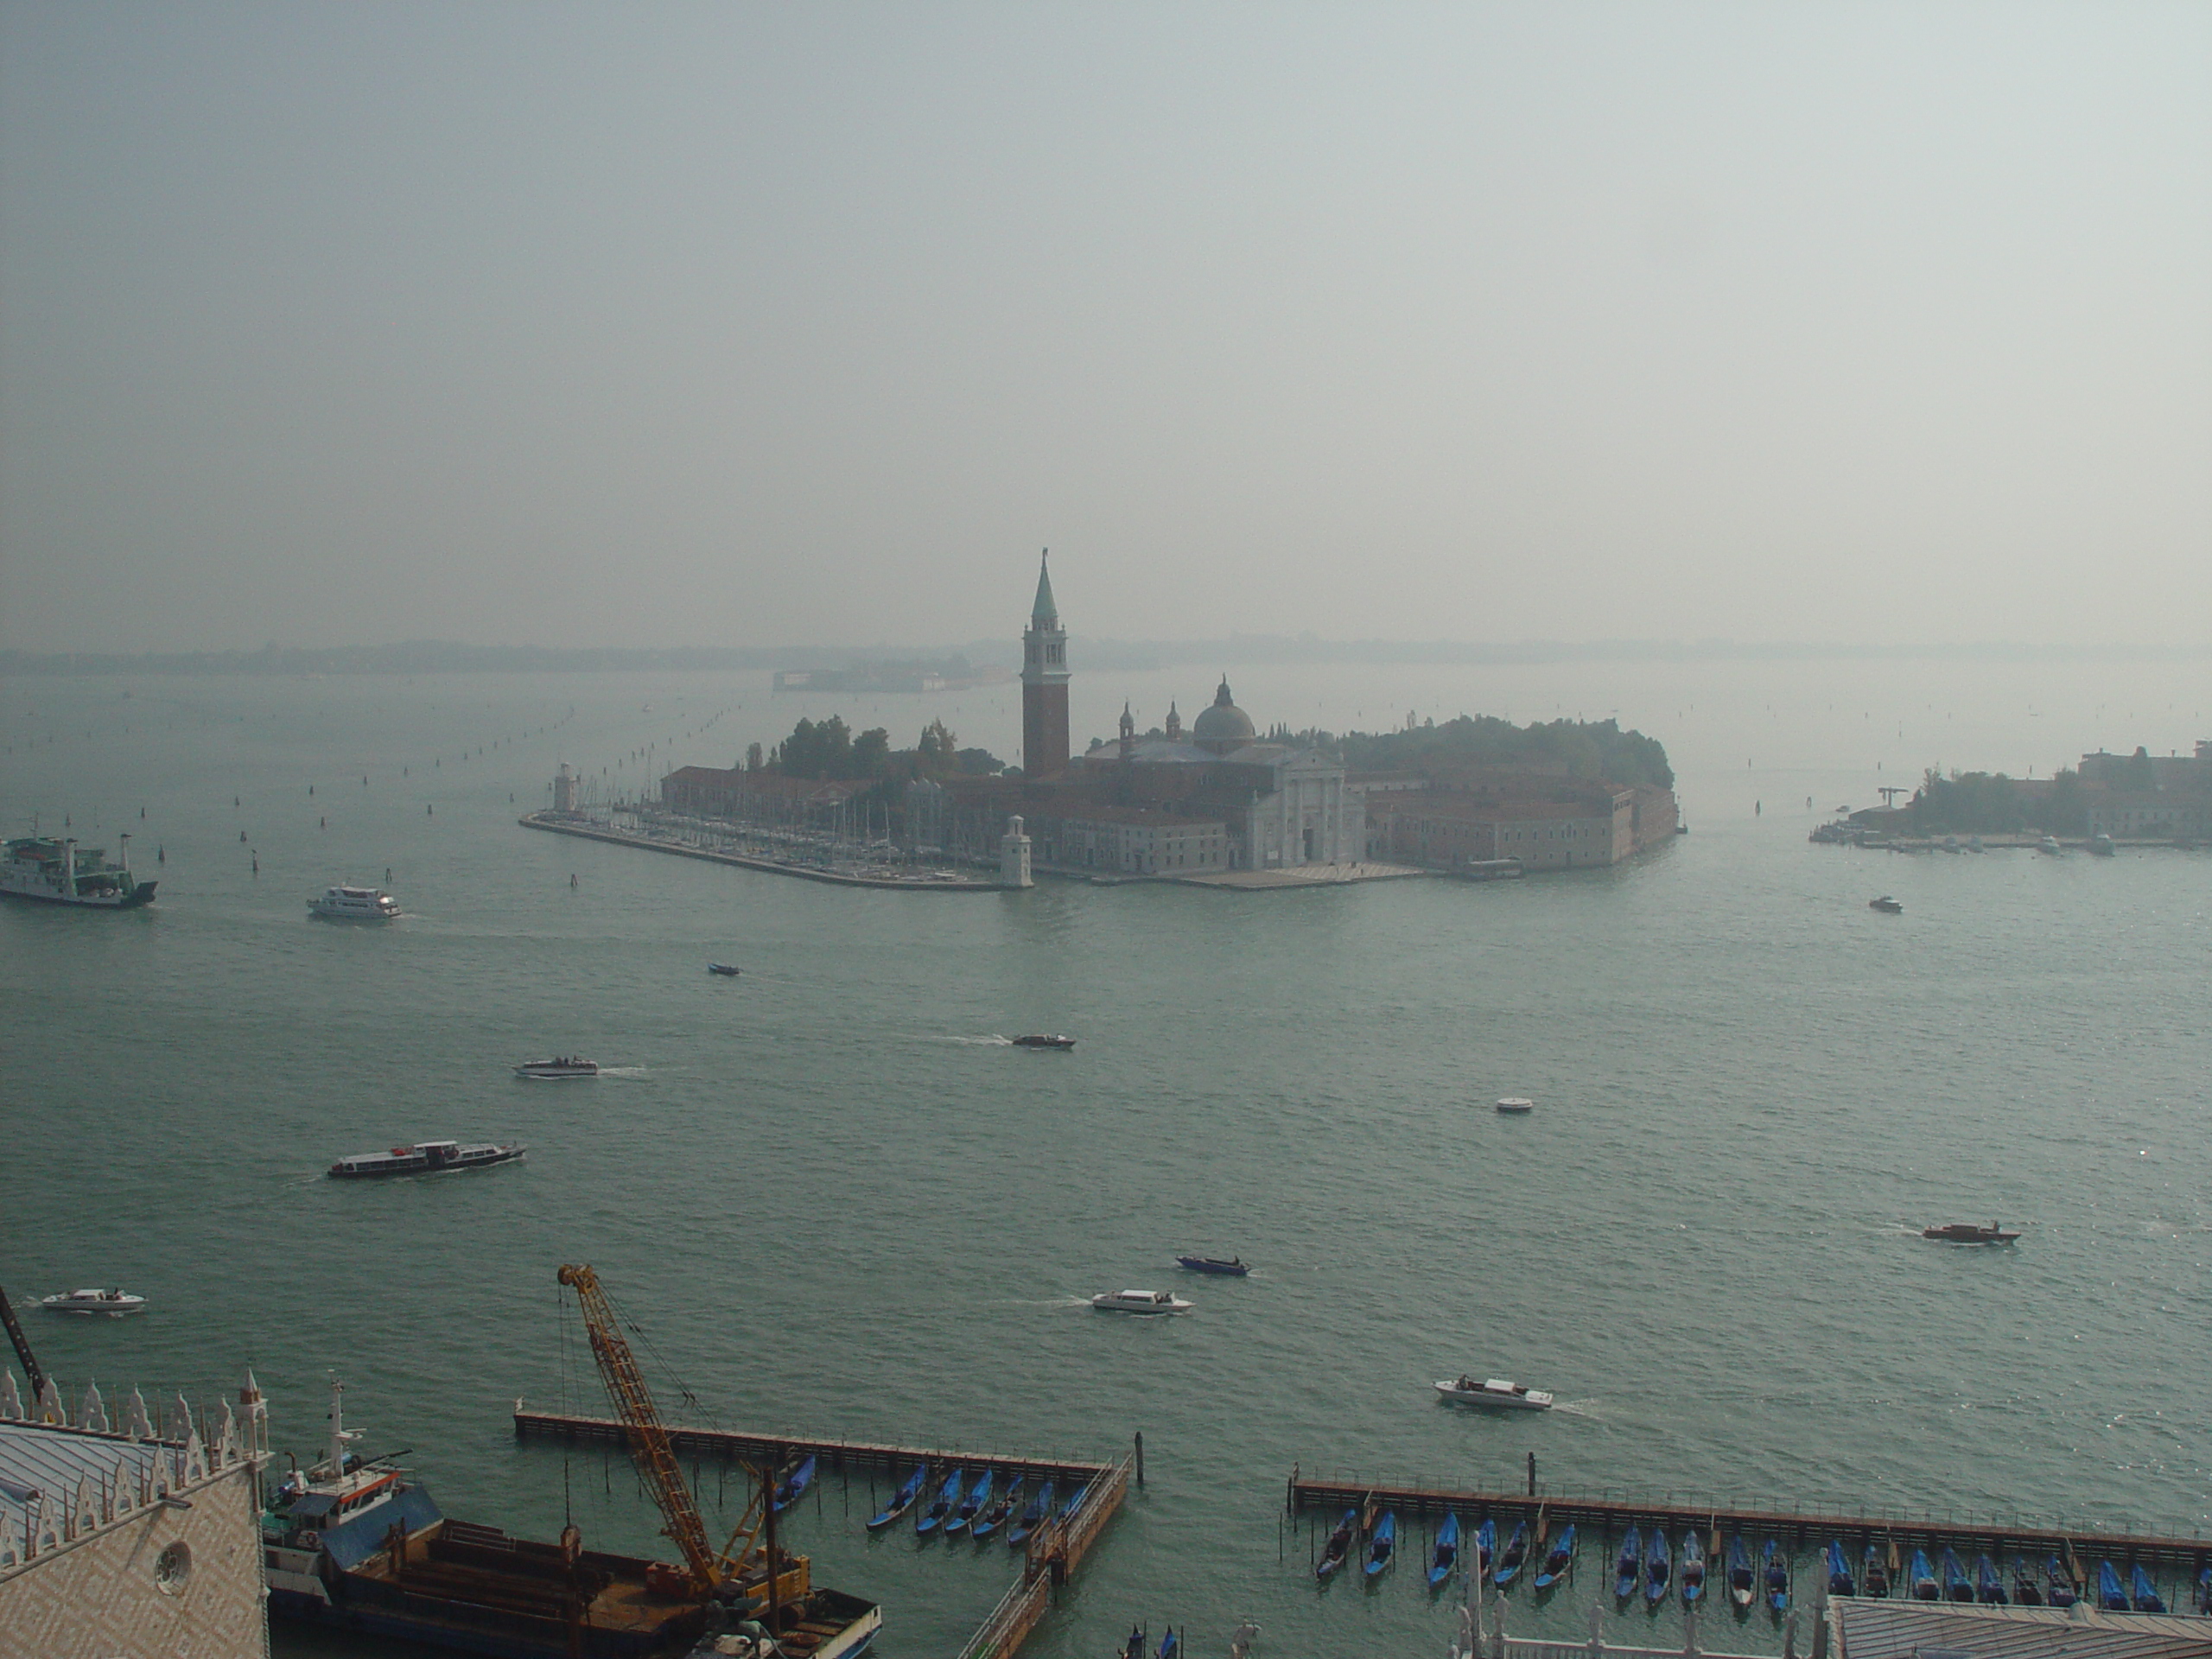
<point x="1495" y="1399"/>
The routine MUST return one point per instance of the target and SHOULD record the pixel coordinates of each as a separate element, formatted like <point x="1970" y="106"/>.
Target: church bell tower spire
<point x="1044" y="684"/>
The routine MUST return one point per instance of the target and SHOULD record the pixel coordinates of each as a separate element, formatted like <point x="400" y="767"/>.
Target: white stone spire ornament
<point x="136" y="1425"/>
<point x="49" y="1405"/>
<point x="92" y="1410"/>
<point x="11" y="1403"/>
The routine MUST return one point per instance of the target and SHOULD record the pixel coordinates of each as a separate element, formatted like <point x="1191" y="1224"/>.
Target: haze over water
<point x="836" y="1206"/>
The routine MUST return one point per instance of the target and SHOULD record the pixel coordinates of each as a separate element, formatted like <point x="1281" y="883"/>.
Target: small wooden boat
<point x="1957" y="1586"/>
<point x="1628" y="1565"/>
<point x="1988" y="1587"/>
<point x="1512" y="1558"/>
<point x="1486" y="1548"/>
<point x="994" y="1517"/>
<point x="1874" y="1573"/>
<point x="1446" y="1555"/>
<point x="2142" y="1592"/>
<point x="1658" y="1569"/>
<point x="1338" y="1548"/>
<point x="1033" y="1516"/>
<point x="1742" y="1588"/>
<point x="1774" y="1564"/>
<point x="1171" y="1644"/>
<point x="1382" y="1547"/>
<point x="1921" y="1578"/>
<point x="1886" y="904"/>
<point x="2025" y="1591"/>
<point x="793" y="1485"/>
<point x="1234" y="1267"/>
<point x="1840" y="1579"/>
<point x="1558" y="1560"/>
<point x="2064" y="1592"/>
<point x="947" y="1500"/>
<point x="1040" y="1039"/>
<point x="1692" y="1574"/>
<point x="721" y="969"/>
<point x="970" y="1506"/>
<point x="2110" y="1596"/>
<point x="901" y="1501"/>
<point x="1968" y="1232"/>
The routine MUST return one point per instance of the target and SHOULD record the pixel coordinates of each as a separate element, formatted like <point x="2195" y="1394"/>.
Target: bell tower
<point x="1044" y="684"/>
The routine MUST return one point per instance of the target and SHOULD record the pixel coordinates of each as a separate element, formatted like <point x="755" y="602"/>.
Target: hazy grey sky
<point x="696" y="324"/>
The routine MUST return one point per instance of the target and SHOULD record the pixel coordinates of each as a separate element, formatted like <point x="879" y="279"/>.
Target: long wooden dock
<point x="779" y="1449"/>
<point x="1804" y="1530"/>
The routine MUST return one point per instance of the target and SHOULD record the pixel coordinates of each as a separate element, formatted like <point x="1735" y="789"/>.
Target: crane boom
<point x="625" y="1386"/>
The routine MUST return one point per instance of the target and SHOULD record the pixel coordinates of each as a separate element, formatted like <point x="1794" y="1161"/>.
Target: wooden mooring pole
<point x="1140" y="1458"/>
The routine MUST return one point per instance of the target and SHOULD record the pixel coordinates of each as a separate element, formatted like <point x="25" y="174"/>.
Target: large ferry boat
<point x="59" y="871"/>
<point x="355" y="904"/>
<point x="360" y="1546"/>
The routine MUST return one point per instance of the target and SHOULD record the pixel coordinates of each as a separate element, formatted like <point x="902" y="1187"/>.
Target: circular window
<point x="173" y="1569"/>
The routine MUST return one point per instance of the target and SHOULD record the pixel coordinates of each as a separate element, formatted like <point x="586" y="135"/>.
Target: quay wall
<point x="768" y="866"/>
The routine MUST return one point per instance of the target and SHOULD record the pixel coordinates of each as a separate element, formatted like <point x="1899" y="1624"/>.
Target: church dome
<point x="1224" y="726"/>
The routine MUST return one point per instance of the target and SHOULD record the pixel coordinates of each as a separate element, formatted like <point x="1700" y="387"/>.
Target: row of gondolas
<point x="1648" y="1566"/>
<point x="976" y="1503"/>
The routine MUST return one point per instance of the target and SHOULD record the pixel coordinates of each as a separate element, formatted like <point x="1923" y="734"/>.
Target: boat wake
<point x="622" y="1071"/>
<point x="1581" y="1409"/>
<point x="991" y="1040"/>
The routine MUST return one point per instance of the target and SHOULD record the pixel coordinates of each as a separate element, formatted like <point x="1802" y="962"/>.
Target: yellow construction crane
<point x="704" y="1568"/>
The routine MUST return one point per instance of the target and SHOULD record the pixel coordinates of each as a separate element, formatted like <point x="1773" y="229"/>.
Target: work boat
<point x="1494" y="1392"/>
<point x="59" y="871"/>
<point x="556" y="1070"/>
<point x="1140" y="1302"/>
<point x="113" y="1303"/>
<point x="1968" y="1232"/>
<point x="423" y="1158"/>
<point x="355" y="904"/>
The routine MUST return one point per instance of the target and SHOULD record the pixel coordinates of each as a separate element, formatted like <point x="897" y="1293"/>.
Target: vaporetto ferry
<point x="56" y="871"/>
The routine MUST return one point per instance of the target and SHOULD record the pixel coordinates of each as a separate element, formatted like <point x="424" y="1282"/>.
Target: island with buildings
<point x="2107" y="798"/>
<point x="1215" y="802"/>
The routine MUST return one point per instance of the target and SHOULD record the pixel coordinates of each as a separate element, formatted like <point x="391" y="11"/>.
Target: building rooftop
<point x="1898" y="1629"/>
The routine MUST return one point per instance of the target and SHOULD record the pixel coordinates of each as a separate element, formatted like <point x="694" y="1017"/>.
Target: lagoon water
<point x="833" y="1201"/>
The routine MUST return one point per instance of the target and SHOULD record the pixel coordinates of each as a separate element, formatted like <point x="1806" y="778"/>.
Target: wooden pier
<point x="780" y="1449"/>
<point x="1804" y="1530"/>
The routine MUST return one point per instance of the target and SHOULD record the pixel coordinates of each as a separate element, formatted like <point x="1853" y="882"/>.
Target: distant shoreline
<point x="439" y="657"/>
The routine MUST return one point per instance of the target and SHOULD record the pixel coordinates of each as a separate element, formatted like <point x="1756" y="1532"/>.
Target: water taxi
<point x="555" y="1069"/>
<point x="1968" y="1232"/>
<point x="1494" y="1392"/>
<point x="113" y="1303"/>
<point x="1886" y="904"/>
<point x="1140" y="1302"/>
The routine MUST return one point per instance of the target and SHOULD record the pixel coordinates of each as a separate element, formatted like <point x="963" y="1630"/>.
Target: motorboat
<point x="723" y="970"/>
<point x="1743" y="1589"/>
<point x="1658" y="1569"/>
<point x="947" y="1500"/>
<point x="1382" y="1547"/>
<point x="1886" y="904"/>
<point x="1042" y="1039"/>
<point x="1033" y="1516"/>
<point x="1516" y="1106"/>
<point x="1774" y="1571"/>
<point x="793" y="1486"/>
<point x="2048" y="844"/>
<point x="901" y="1501"/>
<point x="424" y="1157"/>
<point x="1446" y="1554"/>
<point x="1001" y="1507"/>
<point x="1235" y="1268"/>
<point x="1140" y="1302"/>
<point x="1840" y="1579"/>
<point x="113" y="1303"/>
<point x="1628" y="1565"/>
<point x="1988" y="1585"/>
<point x="1558" y="1560"/>
<point x="1339" y="1547"/>
<point x="1921" y="1578"/>
<point x="2142" y="1592"/>
<point x="1512" y="1558"/>
<point x="1692" y="1573"/>
<point x="2101" y="844"/>
<point x="1874" y="1573"/>
<point x="2110" y="1597"/>
<point x="1495" y="1392"/>
<point x="1968" y="1232"/>
<point x="343" y="904"/>
<point x="1957" y="1586"/>
<point x="557" y="1070"/>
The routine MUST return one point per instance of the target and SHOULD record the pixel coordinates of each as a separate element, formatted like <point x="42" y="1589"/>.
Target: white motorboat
<point x="553" y="1070"/>
<point x="1494" y="1392"/>
<point x="113" y="1303"/>
<point x="2048" y="844"/>
<point x="1517" y="1105"/>
<point x="1140" y="1302"/>
<point x="355" y="904"/>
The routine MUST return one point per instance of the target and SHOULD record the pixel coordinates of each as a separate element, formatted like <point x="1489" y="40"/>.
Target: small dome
<point x="1224" y="726"/>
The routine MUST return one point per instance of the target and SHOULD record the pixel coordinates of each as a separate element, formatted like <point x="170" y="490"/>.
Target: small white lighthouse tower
<point x="1013" y="856"/>
<point x="564" y="789"/>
